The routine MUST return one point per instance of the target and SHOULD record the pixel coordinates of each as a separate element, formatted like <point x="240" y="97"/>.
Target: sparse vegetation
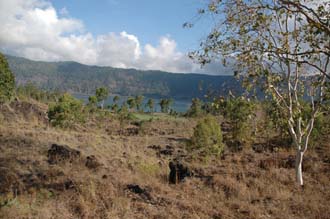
<point x="63" y="158"/>
<point x="7" y="81"/>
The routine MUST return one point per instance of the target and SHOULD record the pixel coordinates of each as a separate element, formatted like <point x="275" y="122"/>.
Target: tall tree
<point x="151" y="105"/>
<point x="165" y="105"/>
<point x="101" y="94"/>
<point x="115" y="99"/>
<point x="131" y="103"/>
<point x="7" y="81"/>
<point x="138" y="102"/>
<point x="284" y="46"/>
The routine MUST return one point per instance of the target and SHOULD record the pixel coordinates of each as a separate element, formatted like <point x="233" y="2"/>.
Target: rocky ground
<point x="142" y="170"/>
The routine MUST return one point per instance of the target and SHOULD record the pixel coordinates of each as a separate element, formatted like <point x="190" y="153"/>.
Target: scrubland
<point x="122" y="171"/>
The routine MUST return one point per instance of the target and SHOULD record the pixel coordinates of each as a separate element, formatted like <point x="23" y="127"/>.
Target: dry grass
<point x="232" y="187"/>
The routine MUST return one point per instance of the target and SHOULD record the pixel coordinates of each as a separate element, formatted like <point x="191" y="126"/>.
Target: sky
<point x="141" y="34"/>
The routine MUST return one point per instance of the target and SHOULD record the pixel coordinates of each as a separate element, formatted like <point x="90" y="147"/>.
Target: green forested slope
<point x="75" y="77"/>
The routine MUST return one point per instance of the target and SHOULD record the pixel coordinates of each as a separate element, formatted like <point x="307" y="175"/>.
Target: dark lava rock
<point x="178" y="172"/>
<point x="62" y="186"/>
<point x="62" y="153"/>
<point x="135" y="188"/>
<point x="289" y="162"/>
<point x="9" y="181"/>
<point x="143" y="193"/>
<point x="169" y="150"/>
<point x="92" y="162"/>
<point x="155" y="147"/>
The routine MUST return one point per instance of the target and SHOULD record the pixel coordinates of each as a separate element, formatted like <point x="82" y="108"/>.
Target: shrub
<point x="195" y="109"/>
<point x="7" y="81"/>
<point x="207" y="137"/>
<point x="66" y="112"/>
<point x="239" y="112"/>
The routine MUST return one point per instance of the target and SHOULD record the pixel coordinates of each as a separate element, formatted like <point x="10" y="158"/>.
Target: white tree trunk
<point x="299" y="159"/>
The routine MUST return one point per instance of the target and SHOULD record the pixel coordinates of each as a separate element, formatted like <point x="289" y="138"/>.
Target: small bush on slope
<point x="66" y="112"/>
<point x="207" y="137"/>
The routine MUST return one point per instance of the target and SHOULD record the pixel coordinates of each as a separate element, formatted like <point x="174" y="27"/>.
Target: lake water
<point x="178" y="105"/>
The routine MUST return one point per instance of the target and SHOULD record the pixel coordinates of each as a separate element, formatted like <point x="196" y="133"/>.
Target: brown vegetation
<point x="121" y="173"/>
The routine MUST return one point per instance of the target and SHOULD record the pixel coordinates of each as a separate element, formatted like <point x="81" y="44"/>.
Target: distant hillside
<point x="75" y="77"/>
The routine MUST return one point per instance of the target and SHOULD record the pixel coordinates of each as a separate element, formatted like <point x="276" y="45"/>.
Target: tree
<point x="131" y="103"/>
<point x="151" y="105"/>
<point x="7" y="81"/>
<point x="92" y="101"/>
<point x="195" y="108"/>
<point x="284" y="46"/>
<point x="138" y="102"/>
<point x="101" y="94"/>
<point x="239" y="112"/>
<point x="165" y="105"/>
<point x="115" y="99"/>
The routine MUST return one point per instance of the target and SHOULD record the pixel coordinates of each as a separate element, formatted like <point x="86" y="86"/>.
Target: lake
<point x="178" y="105"/>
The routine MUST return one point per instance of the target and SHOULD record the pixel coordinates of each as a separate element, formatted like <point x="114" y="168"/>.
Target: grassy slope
<point x="232" y="187"/>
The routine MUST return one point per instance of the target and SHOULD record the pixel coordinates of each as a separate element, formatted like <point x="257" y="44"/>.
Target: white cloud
<point x="35" y="30"/>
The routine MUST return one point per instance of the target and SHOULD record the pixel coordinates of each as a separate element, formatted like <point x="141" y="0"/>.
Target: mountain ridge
<point x="79" y="78"/>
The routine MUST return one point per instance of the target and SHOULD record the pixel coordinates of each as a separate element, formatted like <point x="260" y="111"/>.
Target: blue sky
<point x="141" y="34"/>
<point x="147" y="19"/>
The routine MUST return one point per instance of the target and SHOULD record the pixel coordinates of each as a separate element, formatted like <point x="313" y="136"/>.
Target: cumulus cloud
<point x="35" y="30"/>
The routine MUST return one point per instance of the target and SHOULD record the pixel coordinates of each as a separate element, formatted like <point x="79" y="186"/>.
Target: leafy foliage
<point x="276" y="45"/>
<point x="101" y="94"/>
<point x="138" y="102"/>
<point x="207" y="137"/>
<point x="151" y="105"/>
<point x="196" y="108"/>
<point x="7" y="81"/>
<point x="239" y="112"/>
<point x="66" y="112"/>
<point x="131" y="103"/>
<point x="165" y="105"/>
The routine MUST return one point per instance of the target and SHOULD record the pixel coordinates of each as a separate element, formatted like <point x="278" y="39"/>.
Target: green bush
<point x="66" y="112"/>
<point x="195" y="109"/>
<point x="207" y="137"/>
<point x="7" y="81"/>
<point x="239" y="111"/>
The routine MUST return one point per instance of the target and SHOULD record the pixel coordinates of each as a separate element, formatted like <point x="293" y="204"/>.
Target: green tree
<point x="138" y="102"/>
<point x="101" y="94"/>
<point x="151" y="105"/>
<point x="207" y="137"/>
<point x="239" y="112"/>
<point x="115" y="107"/>
<point x="7" y="81"/>
<point x="115" y="99"/>
<point x="131" y="103"/>
<point x="66" y="112"/>
<point x="92" y="101"/>
<point x="165" y="105"/>
<point x="276" y="45"/>
<point x="195" y="109"/>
